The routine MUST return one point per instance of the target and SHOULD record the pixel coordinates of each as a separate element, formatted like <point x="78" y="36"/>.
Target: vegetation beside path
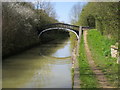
<point x="87" y="78"/>
<point x="100" y="49"/>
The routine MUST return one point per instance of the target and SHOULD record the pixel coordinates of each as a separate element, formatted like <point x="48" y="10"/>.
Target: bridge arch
<point x="66" y="29"/>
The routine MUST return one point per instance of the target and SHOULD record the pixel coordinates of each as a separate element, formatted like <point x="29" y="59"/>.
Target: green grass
<point x="100" y="49"/>
<point x="87" y="80"/>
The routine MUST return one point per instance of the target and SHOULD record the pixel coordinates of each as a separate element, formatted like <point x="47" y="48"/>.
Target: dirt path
<point x="99" y="75"/>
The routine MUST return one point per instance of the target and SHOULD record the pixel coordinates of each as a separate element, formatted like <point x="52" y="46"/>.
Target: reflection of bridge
<point x="61" y="26"/>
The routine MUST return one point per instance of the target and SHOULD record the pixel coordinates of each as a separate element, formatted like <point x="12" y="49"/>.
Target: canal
<point x="45" y="66"/>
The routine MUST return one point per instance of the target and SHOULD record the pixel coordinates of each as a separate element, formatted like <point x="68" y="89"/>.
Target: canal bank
<point x="75" y="64"/>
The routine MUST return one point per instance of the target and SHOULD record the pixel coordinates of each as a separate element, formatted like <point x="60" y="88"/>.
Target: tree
<point x="19" y="26"/>
<point x="104" y="15"/>
<point x="75" y="12"/>
<point x="47" y="7"/>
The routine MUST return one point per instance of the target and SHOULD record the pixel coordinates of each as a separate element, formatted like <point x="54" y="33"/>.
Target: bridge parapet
<point x="61" y="25"/>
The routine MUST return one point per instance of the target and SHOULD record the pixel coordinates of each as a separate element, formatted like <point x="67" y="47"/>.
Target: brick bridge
<point x="61" y="26"/>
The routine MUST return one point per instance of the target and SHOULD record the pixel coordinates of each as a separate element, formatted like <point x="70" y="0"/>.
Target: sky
<point x="63" y="9"/>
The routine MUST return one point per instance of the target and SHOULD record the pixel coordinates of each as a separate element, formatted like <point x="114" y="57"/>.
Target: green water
<point x="45" y="66"/>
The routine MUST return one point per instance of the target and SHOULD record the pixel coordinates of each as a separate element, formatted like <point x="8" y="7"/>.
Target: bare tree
<point x="75" y="12"/>
<point x="47" y="7"/>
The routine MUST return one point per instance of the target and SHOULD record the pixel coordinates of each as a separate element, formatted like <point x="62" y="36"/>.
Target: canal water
<point x="45" y="66"/>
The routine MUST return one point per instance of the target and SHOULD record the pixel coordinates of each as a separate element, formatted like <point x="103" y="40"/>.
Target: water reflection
<point x="32" y="70"/>
<point x="63" y="52"/>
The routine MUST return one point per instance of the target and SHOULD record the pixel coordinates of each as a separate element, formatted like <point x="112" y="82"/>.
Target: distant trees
<point x="20" y="23"/>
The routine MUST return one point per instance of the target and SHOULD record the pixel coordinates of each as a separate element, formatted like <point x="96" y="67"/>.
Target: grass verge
<point x="87" y="79"/>
<point x="100" y="49"/>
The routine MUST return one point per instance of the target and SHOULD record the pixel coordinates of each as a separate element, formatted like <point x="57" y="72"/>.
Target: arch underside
<point x="66" y="29"/>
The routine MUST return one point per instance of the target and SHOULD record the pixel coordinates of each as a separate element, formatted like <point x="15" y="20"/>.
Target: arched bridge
<point x="62" y="26"/>
<point x="77" y="30"/>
